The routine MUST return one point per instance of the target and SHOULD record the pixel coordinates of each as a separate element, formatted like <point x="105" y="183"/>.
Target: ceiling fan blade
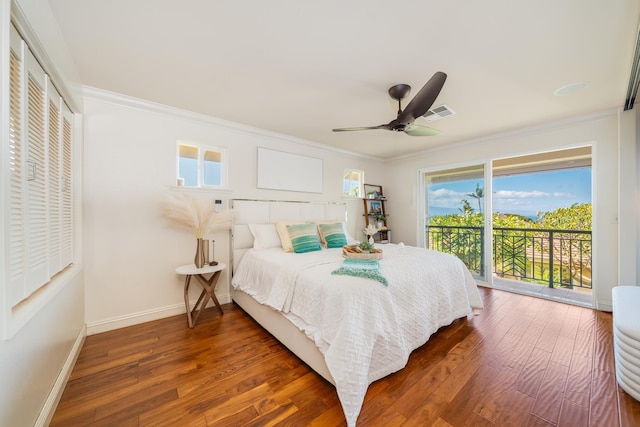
<point x="361" y="128"/>
<point x="421" y="103"/>
<point x="419" y="130"/>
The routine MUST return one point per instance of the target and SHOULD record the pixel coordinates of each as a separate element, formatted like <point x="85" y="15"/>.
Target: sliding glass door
<point x="454" y="215"/>
<point x="539" y="227"/>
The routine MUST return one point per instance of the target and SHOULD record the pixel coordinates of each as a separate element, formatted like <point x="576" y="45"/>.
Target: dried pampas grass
<point x="186" y="211"/>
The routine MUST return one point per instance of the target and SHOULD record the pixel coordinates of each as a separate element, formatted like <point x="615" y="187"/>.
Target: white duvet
<point x="364" y="329"/>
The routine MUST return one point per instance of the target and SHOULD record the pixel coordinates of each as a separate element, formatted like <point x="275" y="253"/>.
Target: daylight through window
<point x="352" y="180"/>
<point x="201" y="166"/>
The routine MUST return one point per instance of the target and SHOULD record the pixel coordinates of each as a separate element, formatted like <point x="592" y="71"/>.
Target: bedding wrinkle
<point x="365" y="330"/>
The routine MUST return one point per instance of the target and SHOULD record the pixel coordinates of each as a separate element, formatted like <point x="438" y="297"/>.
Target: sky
<point x="523" y="194"/>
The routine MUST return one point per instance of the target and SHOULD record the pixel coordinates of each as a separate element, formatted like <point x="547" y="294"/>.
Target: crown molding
<point x="558" y="124"/>
<point x="153" y="107"/>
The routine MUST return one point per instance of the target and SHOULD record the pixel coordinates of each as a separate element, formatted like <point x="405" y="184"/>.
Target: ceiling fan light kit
<point x="418" y="106"/>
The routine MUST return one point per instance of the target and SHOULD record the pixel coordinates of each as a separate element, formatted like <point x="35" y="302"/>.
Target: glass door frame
<point x="487" y="208"/>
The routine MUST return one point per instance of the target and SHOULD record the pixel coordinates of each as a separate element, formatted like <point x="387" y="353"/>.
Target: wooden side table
<point x="208" y="288"/>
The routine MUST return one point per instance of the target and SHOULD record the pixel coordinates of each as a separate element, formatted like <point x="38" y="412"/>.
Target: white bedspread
<point x="364" y="329"/>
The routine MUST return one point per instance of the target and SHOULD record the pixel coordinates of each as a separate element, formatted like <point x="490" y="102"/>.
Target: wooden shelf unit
<point x="374" y="206"/>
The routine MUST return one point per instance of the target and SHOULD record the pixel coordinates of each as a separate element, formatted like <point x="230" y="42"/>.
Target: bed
<point x="352" y="329"/>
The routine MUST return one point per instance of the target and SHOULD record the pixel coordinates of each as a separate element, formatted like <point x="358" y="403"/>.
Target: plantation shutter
<point x="16" y="271"/>
<point x="66" y="193"/>
<point x="40" y="204"/>
<point x="37" y="273"/>
<point x="55" y="180"/>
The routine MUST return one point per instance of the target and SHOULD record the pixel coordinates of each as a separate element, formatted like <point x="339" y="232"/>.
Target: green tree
<point x="466" y="208"/>
<point x="571" y="251"/>
<point x="478" y="194"/>
<point x="574" y="217"/>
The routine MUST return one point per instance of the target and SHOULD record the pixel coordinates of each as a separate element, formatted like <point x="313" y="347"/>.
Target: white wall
<point x="36" y="355"/>
<point x="130" y="162"/>
<point x="601" y="131"/>
<point x="32" y="361"/>
<point x="628" y="200"/>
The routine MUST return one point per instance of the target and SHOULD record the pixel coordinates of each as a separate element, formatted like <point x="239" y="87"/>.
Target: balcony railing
<point x="556" y="258"/>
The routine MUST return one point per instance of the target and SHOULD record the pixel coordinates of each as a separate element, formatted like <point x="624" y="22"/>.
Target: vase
<point x="199" y="258"/>
<point x="205" y="252"/>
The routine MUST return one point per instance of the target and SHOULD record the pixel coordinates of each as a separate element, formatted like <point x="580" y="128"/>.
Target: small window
<point x="200" y="166"/>
<point x="352" y="182"/>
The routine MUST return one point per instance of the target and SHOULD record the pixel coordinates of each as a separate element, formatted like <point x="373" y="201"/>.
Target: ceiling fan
<point x="418" y="106"/>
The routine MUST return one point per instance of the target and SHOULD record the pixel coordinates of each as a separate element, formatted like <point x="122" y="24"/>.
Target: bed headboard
<point x="271" y="211"/>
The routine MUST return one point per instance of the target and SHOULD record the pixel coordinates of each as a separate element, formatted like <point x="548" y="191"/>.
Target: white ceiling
<point x="301" y="68"/>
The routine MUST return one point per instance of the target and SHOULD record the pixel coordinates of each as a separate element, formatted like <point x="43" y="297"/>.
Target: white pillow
<point x="265" y="236"/>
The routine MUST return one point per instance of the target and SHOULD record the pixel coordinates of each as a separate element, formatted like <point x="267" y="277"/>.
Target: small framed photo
<point x="375" y="207"/>
<point x="372" y="191"/>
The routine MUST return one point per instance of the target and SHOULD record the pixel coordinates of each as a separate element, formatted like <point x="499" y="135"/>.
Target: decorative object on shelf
<point x="372" y="191"/>
<point x="375" y="207"/>
<point x="380" y="220"/>
<point x="370" y="231"/>
<point x="198" y="216"/>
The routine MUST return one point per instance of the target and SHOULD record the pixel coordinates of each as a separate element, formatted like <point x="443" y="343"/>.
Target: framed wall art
<point x="278" y="170"/>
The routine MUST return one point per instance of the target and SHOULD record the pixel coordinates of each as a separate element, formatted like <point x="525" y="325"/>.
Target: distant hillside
<point x="441" y="211"/>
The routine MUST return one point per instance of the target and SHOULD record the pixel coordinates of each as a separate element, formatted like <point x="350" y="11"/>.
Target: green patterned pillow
<point x="304" y="238"/>
<point x="333" y="235"/>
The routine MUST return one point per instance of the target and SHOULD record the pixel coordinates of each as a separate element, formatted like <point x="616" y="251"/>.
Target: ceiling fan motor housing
<point x="399" y="91"/>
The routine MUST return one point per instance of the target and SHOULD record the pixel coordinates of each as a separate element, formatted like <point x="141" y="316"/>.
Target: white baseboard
<point x="604" y="305"/>
<point x="144" y="316"/>
<point x="50" y="405"/>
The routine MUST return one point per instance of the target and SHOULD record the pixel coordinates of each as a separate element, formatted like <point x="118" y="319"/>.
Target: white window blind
<point x="16" y="272"/>
<point x="40" y="203"/>
<point x="37" y="273"/>
<point x="66" y="193"/>
<point x="54" y="181"/>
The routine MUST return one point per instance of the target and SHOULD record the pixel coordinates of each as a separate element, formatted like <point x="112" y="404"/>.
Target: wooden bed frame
<point x="262" y="212"/>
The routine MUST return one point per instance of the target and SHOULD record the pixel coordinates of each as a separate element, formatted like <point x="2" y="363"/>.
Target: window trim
<point x="201" y="149"/>
<point x="350" y="172"/>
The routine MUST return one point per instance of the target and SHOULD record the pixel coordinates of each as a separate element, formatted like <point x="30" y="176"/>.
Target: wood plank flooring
<point x="521" y="361"/>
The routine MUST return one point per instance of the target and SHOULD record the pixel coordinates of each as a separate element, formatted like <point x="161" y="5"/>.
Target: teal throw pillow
<point x="333" y="234"/>
<point x="304" y="238"/>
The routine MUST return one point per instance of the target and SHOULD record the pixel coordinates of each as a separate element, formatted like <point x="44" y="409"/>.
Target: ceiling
<point x="302" y="68"/>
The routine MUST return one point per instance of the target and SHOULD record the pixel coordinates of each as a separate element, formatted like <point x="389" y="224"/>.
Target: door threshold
<point x="582" y="298"/>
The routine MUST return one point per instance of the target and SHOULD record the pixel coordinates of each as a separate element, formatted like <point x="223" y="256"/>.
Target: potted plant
<point x="380" y="221"/>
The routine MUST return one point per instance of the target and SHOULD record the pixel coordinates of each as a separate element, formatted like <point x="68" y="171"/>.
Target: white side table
<point x="208" y="288"/>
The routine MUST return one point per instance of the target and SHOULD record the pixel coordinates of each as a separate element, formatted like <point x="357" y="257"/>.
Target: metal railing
<point x="556" y="258"/>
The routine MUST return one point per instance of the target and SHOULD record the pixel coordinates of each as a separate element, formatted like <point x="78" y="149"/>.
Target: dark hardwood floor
<point x="521" y="361"/>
